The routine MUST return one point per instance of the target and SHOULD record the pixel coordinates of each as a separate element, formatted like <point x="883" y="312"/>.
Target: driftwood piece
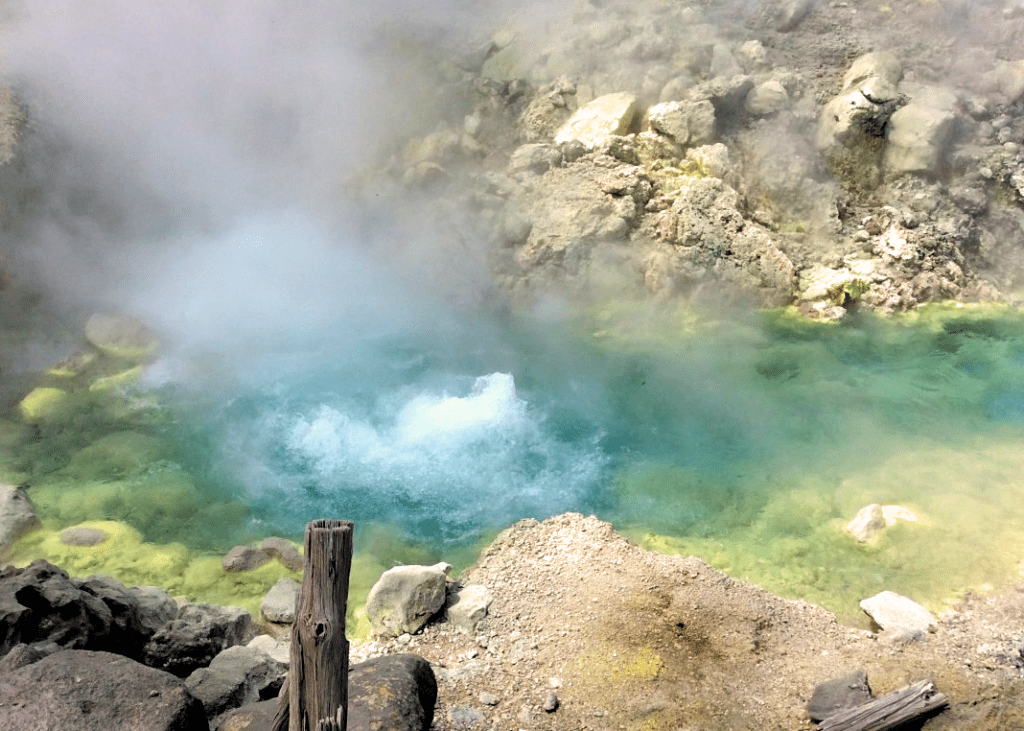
<point x="888" y="712"/>
<point x="316" y="695"/>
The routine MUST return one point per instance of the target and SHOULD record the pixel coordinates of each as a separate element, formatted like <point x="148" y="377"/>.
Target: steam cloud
<point x="186" y="160"/>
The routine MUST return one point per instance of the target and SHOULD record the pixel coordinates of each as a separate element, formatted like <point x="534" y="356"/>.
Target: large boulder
<point x="198" y="635"/>
<point x="685" y="122"/>
<point x="41" y="603"/>
<point x="17" y="516"/>
<point x="96" y="691"/>
<point x="852" y="126"/>
<point x="406" y="597"/>
<point x="920" y="133"/>
<point x="611" y="114"/>
<point x="898" y="616"/>
<point x="237" y="676"/>
<point x="396" y="692"/>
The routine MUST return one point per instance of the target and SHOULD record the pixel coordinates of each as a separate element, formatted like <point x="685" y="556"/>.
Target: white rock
<point x="898" y="616"/>
<point x="279" y="650"/>
<point x="919" y="133"/>
<point x="405" y="598"/>
<point x="892" y="513"/>
<point x="611" y="114"/>
<point x="687" y="122"/>
<point x="466" y="607"/>
<point x="867" y="523"/>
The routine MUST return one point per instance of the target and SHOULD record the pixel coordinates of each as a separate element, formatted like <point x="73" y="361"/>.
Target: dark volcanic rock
<point x="198" y="635"/>
<point x="41" y="604"/>
<point x="837" y="695"/>
<point x="397" y="692"/>
<point x="97" y="691"/>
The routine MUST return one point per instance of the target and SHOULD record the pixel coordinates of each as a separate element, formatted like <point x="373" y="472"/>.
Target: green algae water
<point x="749" y="443"/>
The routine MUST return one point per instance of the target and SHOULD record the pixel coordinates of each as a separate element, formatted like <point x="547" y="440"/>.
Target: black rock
<point x="197" y="636"/>
<point x="97" y="691"/>
<point x="836" y="695"/>
<point x="397" y="693"/>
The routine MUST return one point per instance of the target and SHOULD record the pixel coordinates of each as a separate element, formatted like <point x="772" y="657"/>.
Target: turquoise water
<point x="749" y="440"/>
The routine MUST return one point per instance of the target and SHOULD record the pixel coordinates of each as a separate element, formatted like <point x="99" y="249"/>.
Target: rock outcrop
<point x="97" y="691"/>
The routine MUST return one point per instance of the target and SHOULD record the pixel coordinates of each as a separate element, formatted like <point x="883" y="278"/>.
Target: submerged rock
<point x="121" y="336"/>
<point x="17" y="516"/>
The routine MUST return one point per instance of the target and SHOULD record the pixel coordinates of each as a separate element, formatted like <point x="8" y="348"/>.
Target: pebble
<point x="488" y="699"/>
<point x="551" y="703"/>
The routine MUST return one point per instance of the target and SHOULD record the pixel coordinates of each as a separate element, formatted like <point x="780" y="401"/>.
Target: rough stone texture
<point x="244" y="558"/>
<point x="534" y="158"/>
<point x="121" y="336"/>
<point x="41" y="604"/>
<point x="766" y="99"/>
<point x="706" y="239"/>
<point x="278" y="604"/>
<point x="467" y="606"/>
<point x="685" y="122"/>
<point x="284" y="552"/>
<point x="96" y="691"/>
<point x="129" y="629"/>
<point x="22" y="655"/>
<point x="155" y="607"/>
<point x="17" y="517"/>
<point x="237" y="676"/>
<point x="406" y="597"/>
<point x="396" y="693"/>
<point x="836" y="695"/>
<point x="200" y="632"/>
<point x="919" y="133"/>
<point x="611" y="114"/>
<point x="901" y="618"/>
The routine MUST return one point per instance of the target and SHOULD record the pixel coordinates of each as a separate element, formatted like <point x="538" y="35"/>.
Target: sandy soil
<point x="628" y="639"/>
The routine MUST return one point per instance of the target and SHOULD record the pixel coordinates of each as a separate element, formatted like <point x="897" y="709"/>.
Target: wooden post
<point x="888" y="712"/>
<point x="316" y="695"/>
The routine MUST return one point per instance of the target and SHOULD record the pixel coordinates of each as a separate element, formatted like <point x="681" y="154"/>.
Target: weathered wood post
<point x="315" y="697"/>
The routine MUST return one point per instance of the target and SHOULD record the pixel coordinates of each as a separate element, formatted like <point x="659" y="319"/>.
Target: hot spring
<point x="749" y="441"/>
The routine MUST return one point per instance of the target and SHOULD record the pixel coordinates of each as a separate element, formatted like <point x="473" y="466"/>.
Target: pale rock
<point x="17" y="517"/>
<point x="534" y="158"/>
<point x="919" y="134"/>
<point x="467" y="606"/>
<point x="892" y="513"/>
<point x="611" y="114"/>
<point x="722" y="61"/>
<point x="792" y="14"/>
<point x="121" y="336"/>
<point x="899" y="617"/>
<point x="278" y="604"/>
<point x="82" y="536"/>
<point x="713" y="160"/>
<point x="752" y="56"/>
<point x="836" y="286"/>
<point x="867" y="523"/>
<point x="767" y="99"/>
<point x="278" y="649"/>
<point x="406" y="597"/>
<point x="1007" y="79"/>
<point x="686" y="122"/>
<point x="868" y="99"/>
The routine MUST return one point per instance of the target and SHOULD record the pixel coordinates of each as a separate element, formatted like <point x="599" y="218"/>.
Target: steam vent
<point x="666" y="355"/>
